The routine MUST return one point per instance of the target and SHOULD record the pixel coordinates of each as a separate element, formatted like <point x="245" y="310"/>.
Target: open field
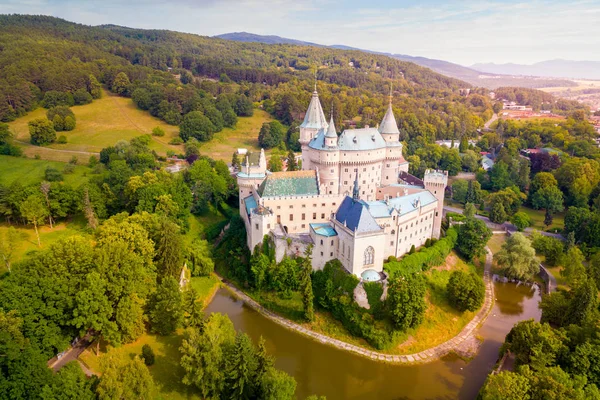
<point x="537" y="219"/>
<point x="100" y="124"/>
<point x="28" y="171"/>
<point x="244" y="135"/>
<point x="586" y="91"/>
<point x="112" y="118"/>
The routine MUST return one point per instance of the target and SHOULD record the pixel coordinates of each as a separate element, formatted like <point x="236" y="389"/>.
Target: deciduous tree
<point x="517" y="258"/>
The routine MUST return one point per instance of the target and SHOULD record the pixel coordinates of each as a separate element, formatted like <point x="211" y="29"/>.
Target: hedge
<point x="424" y="258"/>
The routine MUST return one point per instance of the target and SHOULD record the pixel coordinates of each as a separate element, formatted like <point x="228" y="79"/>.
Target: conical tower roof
<point x="388" y="124"/>
<point x="331" y="132"/>
<point x="315" y="117"/>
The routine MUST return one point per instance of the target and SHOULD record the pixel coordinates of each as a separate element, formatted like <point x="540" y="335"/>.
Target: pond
<point x="324" y="370"/>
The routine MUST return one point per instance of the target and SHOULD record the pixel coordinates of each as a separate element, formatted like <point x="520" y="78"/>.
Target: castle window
<point x="364" y="170"/>
<point x="321" y="254"/>
<point x="256" y="225"/>
<point x="332" y="242"/>
<point x="393" y="232"/>
<point x="303" y="205"/>
<point x="391" y="243"/>
<point x="322" y="204"/>
<point x="303" y="225"/>
<point x="268" y="226"/>
<point x="291" y="207"/>
<point x="303" y="216"/>
<point x="314" y="215"/>
<point x="332" y="170"/>
<point x="278" y="207"/>
<point x="345" y="182"/>
<point x="331" y="254"/>
<point x="331" y="183"/>
<point x="346" y="170"/>
<point x="291" y="217"/>
<point x="369" y="256"/>
<point x="323" y="215"/>
<point x="321" y="242"/>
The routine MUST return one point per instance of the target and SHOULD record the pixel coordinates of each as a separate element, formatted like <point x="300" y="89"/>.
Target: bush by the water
<point x="466" y="291"/>
<point x="425" y="258"/>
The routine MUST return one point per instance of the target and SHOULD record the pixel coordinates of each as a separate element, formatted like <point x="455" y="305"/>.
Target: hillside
<point x="489" y="79"/>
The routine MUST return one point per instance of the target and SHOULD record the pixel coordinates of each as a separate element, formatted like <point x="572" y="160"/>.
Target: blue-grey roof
<point x="250" y="204"/>
<point x="331" y="133"/>
<point x="314" y="118"/>
<point x="352" y="140"/>
<point x="405" y="204"/>
<point x="370" y="275"/>
<point x="404" y="185"/>
<point x="323" y="229"/>
<point x="356" y="217"/>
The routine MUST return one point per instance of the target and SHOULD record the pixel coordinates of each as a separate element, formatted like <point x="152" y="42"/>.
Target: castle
<point x="347" y="202"/>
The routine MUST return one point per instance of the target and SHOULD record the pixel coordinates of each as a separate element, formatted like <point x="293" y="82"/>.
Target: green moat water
<point x="324" y="370"/>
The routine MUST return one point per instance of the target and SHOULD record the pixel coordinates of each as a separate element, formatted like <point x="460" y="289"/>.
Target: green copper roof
<point x="294" y="183"/>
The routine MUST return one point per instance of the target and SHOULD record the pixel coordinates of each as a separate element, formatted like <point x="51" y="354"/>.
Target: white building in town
<point x="347" y="202"/>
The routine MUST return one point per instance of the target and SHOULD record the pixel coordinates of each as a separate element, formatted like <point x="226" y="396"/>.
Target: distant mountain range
<point x="486" y="75"/>
<point x="551" y="68"/>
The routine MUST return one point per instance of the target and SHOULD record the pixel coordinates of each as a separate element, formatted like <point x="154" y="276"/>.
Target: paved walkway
<point x="71" y="354"/>
<point x="424" y="356"/>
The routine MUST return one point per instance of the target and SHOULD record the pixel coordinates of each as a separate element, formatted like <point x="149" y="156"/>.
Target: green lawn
<point x="441" y="322"/>
<point x="28" y="171"/>
<point x="166" y="371"/>
<point x="206" y="286"/>
<point x="496" y="241"/>
<point x="537" y="219"/>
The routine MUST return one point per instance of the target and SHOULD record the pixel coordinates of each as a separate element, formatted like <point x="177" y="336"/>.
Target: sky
<point x="460" y="31"/>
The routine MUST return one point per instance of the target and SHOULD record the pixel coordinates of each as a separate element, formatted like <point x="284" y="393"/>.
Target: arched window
<point x="369" y="255"/>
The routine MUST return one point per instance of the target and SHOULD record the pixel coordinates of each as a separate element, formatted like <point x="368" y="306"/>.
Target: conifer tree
<point x="306" y="286"/>
<point x="292" y="165"/>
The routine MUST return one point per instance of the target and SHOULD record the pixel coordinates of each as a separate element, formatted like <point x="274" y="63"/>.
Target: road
<point x="70" y="355"/>
<point x="505" y="226"/>
<point x="486" y="126"/>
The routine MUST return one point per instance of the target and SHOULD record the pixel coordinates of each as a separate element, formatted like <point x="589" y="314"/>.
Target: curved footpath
<point x="424" y="356"/>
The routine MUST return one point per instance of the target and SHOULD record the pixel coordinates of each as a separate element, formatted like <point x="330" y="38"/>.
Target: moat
<point x="324" y="370"/>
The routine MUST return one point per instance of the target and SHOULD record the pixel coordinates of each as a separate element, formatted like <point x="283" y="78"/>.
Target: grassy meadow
<point x="112" y="118"/>
<point x="28" y="170"/>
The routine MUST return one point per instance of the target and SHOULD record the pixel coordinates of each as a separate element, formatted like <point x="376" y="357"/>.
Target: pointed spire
<point x="331" y="132"/>
<point x="262" y="160"/>
<point x="356" y="190"/>
<point x="315" y="117"/>
<point x="388" y="124"/>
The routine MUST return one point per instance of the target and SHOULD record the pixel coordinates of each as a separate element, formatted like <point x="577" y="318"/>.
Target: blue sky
<point x="464" y="32"/>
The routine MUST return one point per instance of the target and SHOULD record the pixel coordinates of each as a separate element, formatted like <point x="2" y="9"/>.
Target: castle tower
<point x="262" y="161"/>
<point x="314" y="120"/>
<point x="331" y="137"/>
<point x="436" y="181"/>
<point x="388" y="127"/>
<point x="393" y="157"/>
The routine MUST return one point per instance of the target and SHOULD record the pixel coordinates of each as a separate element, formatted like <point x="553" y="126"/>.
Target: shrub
<point x="55" y="98"/>
<point x="42" y="131"/>
<point x="158" y="131"/>
<point x="425" y="258"/>
<point x="62" y="139"/>
<point x="74" y="160"/>
<point x="81" y="96"/>
<point x="8" y="149"/>
<point x="148" y="354"/>
<point x="521" y="221"/>
<point x="53" y="175"/>
<point x="176" y="141"/>
<point x="374" y="292"/>
<point x="93" y="161"/>
<point x="62" y="118"/>
<point x="68" y="169"/>
<point x="466" y="291"/>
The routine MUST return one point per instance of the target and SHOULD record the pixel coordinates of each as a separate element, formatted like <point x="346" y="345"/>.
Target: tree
<point x="121" y="84"/>
<point x="81" y="97"/>
<point x="58" y="115"/>
<point x="406" y="300"/>
<point x="306" y="285"/>
<point x="125" y="379"/>
<point x="521" y="220"/>
<point x="70" y="383"/>
<point x="275" y="164"/>
<point x="573" y="268"/>
<point x="158" y="131"/>
<point x="549" y="198"/>
<point x="8" y="244"/>
<point x="5" y="134"/>
<point x="277" y="385"/>
<point x="535" y="344"/>
<point x="241" y="365"/>
<point x="203" y="355"/>
<point x="473" y="235"/>
<point x="196" y="125"/>
<point x="235" y="161"/>
<point x="470" y="161"/>
<point x="34" y="211"/>
<point x="583" y="307"/>
<point x="470" y="210"/>
<point x="517" y="258"/>
<point x="292" y="165"/>
<point x="194" y="317"/>
<point x="271" y="134"/>
<point x="169" y="258"/>
<point x="466" y="291"/>
<point x="94" y="87"/>
<point x="506" y="385"/>
<point x="42" y="131"/>
<point x="166" y="307"/>
<point x="498" y="213"/>
<point x="198" y="258"/>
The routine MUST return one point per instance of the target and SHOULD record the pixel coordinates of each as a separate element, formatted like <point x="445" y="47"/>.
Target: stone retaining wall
<point x="424" y="356"/>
